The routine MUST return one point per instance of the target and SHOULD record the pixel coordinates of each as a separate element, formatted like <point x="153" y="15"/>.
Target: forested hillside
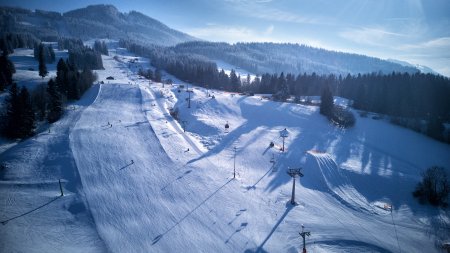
<point x="260" y="58"/>
<point x="95" y="21"/>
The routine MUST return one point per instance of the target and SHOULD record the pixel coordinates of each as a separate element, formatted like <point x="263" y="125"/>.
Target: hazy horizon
<point x="408" y="30"/>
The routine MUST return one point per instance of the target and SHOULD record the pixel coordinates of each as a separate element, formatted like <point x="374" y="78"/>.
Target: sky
<point x="409" y="30"/>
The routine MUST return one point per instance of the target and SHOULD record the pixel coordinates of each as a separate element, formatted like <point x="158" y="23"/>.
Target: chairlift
<point x="272" y="160"/>
<point x="227" y="126"/>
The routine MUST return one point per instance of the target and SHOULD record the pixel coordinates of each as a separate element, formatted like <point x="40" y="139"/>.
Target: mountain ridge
<point x="93" y="21"/>
<point x="106" y="21"/>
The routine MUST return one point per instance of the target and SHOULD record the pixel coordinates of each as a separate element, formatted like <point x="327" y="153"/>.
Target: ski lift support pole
<point x="294" y="173"/>
<point x="60" y="188"/>
<point x="189" y="99"/>
<point x="284" y="134"/>
<point x="303" y="234"/>
<point x="234" y="163"/>
<point x="184" y="122"/>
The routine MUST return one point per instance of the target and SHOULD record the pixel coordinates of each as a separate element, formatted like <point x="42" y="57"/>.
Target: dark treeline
<point x="260" y="58"/>
<point x="417" y="101"/>
<point x="44" y="51"/>
<point x="399" y="94"/>
<point x="20" y="115"/>
<point x="410" y="99"/>
<point x="7" y="69"/>
<point x="187" y="67"/>
<point x="81" y="56"/>
<point x="100" y="46"/>
<point x="46" y="101"/>
<point x="233" y="54"/>
<point x="22" y="110"/>
<point x="70" y="82"/>
<point x="85" y="58"/>
<point x="11" y="41"/>
<point x="68" y="43"/>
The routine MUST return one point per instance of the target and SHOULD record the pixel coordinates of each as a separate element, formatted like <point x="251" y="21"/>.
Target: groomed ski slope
<point x="134" y="181"/>
<point x="153" y="188"/>
<point x="140" y="199"/>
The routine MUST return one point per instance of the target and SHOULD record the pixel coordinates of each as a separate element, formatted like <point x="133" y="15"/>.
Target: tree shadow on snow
<point x="157" y="238"/>
<point x="258" y="116"/>
<point x="4" y="222"/>
<point x="260" y="248"/>
<point x="383" y="174"/>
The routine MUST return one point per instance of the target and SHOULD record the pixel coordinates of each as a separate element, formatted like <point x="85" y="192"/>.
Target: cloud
<point x="270" y="11"/>
<point x="269" y="30"/>
<point x="369" y="36"/>
<point x="433" y="52"/>
<point x="273" y="14"/>
<point x="215" y="32"/>
<point x="436" y="43"/>
<point x="233" y="34"/>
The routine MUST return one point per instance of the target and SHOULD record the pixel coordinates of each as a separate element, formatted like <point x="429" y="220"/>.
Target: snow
<point x="34" y="217"/>
<point x="27" y="67"/>
<point x="136" y="182"/>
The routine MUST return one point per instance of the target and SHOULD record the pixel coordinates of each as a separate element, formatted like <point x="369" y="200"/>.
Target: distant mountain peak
<point x="93" y="21"/>
<point x="421" y="68"/>
<point x="100" y="12"/>
<point x="106" y="8"/>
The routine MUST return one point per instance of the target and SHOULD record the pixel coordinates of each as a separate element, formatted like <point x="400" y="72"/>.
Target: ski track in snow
<point x="147" y="192"/>
<point x="183" y="199"/>
<point x="339" y="185"/>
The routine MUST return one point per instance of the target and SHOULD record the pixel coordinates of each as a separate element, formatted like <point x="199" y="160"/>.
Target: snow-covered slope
<point x="33" y="215"/>
<point x="421" y="68"/>
<point x="151" y="187"/>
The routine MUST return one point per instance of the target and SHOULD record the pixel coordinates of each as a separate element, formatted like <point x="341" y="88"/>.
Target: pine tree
<point x="235" y="82"/>
<point x="52" y="53"/>
<point x="224" y="81"/>
<point x="20" y="113"/>
<point x="39" y="100"/>
<point x="158" y="75"/>
<point x="248" y="80"/>
<point x="104" y="48"/>
<point x="27" y="123"/>
<point x="12" y="112"/>
<point x="282" y="89"/>
<point x="280" y="82"/>
<point x="435" y="128"/>
<point x="41" y="58"/>
<point x="71" y="81"/>
<point x="61" y="77"/>
<point x="7" y="70"/>
<point x="326" y="104"/>
<point x="150" y="74"/>
<point x="55" y="107"/>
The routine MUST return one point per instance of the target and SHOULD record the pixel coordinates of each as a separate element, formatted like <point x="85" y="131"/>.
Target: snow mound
<point x="325" y="175"/>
